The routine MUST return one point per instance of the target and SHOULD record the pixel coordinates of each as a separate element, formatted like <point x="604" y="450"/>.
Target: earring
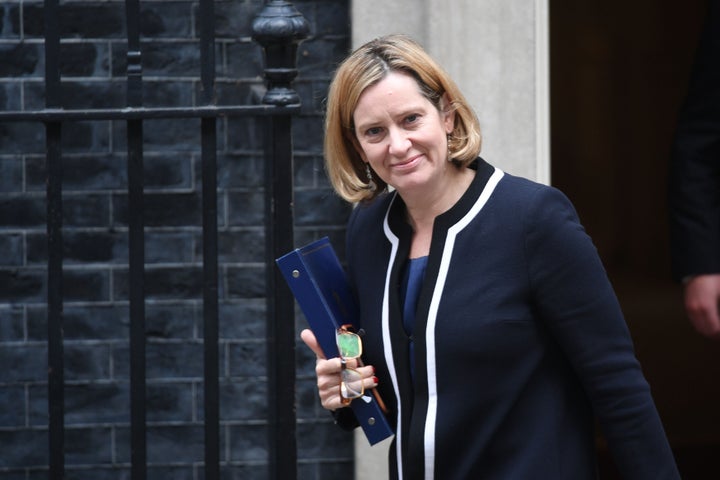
<point x="371" y="183"/>
<point x="449" y="152"/>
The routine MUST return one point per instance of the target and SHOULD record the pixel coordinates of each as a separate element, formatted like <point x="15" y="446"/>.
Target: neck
<point x="424" y="207"/>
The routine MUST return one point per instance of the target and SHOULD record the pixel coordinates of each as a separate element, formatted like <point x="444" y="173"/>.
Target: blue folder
<point x="320" y="286"/>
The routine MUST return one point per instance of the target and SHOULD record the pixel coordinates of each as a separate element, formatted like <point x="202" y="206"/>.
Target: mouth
<point x="409" y="163"/>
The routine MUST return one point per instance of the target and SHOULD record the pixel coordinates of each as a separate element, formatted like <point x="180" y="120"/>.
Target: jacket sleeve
<point x="576" y="301"/>
<point x="694" y="179"/>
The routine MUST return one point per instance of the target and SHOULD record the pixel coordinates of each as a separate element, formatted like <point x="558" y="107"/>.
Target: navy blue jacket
<point x="519" y="341"/>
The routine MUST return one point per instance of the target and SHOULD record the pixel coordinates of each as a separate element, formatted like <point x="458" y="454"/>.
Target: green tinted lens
<point x="349" y="345"/>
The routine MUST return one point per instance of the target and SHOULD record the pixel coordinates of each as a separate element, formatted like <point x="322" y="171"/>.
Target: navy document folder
<point x="320" y="286"/>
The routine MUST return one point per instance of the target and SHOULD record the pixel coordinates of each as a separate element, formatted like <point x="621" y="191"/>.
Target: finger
<point x="309" y="338"/>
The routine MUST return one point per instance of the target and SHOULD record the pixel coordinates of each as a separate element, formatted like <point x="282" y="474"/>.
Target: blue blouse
<point x="409" y="294"/>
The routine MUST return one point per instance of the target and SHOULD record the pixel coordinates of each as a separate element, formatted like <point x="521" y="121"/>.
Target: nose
<point x="399" y="142"/>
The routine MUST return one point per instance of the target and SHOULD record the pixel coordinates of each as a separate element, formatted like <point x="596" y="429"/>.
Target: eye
<point x="373" y="131"/>
<point x="412" y="118"/>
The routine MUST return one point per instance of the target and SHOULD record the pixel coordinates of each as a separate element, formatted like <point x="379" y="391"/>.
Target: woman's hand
<point x="328" y="374"/>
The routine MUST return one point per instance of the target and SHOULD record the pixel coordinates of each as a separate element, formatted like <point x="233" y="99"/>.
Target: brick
<point x="244" y="319"/>
<point x="329" y="441"/>
<point x="171" y="321"/>
<point x="109" y="172"/>
<point x="22" y="137"/>
<point x="307" y="133"/>
<point x="244" y="60"/>
<point x="242" y="400"/>
<point x="247" y="442"/>
<point x="84" y="59"/>
<point x="89" y="285"/>
<point x="12" y="323"/>
<point x="12" y="248"/>
<point x="231" y="91"/>
<point x="81" y="94"/>
<point x="21" y="60"/>
<point x="12" y="414"/>
<point x="81" y="247"/>
<point x="165" y="171"/>
<point x="79" y="19"/>
<point x="241" y="472"/>
<point x="11" y="174"/>
<point x="84" y="137"/>
<point x="246" y="282"/>
<point x="163" y="444"/>
<point x="318" y="57"/>
<point x="86" y="210"/>
<point x="85" y="446"/>
<point x="22" y="285"/>
<point x="241" y="246"/>
<point x="307" y="400"/>
<point x="170" y="247"/>
<point x="332" y="18"/>
<point x="23" y="363"/>
<point x="166" y="19"/>
<point x="22" y="448"/>
<point x="307" y="169"/>
<point x="84" y="172"/>
<point x="331" y="469"/>
<point x="87" y="322"/>
<point x="162" y="59"/>
<point x="319" y="207"/>
<point x="10" y="98"/>
<point x="97" y="472"/>
<point x="9" y="20"/>
<point x="162" y="209"/>
<point x="170" y="402"/>
<point x="84" y="404"/>
<point x="247" y="359"/>
<point x="233" y="18"/>
<point x="245" y="134"/>
<point x="163" y="283"/>
<point x="86" y="362"/>
<point x="246" y="208"/>
<point x="238" y="171"/>
<point x="175" y="360"/>
<point x="165" y="134"/>
<point x="163" y="92"/>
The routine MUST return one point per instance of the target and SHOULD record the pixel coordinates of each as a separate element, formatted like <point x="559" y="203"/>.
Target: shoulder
<point x="372" y="213"/>
<point x="523" y="195"/>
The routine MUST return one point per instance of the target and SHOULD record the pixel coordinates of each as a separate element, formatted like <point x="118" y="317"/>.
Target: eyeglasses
<point x="349" y="346"/>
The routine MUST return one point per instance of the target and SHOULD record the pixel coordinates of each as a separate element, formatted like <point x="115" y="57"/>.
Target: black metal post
<point x="136" y="254"/>
<point x="279" y="29"/>
<point x="56" y="366"/>
<point x="210" y="246"/>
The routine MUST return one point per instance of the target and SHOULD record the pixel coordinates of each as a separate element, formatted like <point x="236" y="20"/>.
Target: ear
<point x="448" y="113"/>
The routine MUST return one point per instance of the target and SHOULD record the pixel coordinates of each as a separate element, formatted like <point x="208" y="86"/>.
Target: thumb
<point x="309" y="338"/>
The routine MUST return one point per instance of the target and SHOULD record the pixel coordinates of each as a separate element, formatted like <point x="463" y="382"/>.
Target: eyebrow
<point x="414" y="108"/>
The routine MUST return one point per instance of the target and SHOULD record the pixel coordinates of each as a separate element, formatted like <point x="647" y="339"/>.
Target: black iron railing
<point x="278" y="29"/>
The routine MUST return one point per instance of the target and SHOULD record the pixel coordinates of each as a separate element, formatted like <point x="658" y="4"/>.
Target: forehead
<point x="397" y="90"/>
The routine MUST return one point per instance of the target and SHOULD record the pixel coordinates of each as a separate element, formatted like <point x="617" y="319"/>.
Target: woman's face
<point x="400" y="133"/>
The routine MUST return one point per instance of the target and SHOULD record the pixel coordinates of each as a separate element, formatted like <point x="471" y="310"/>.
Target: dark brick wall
<point x="95" y="242"/>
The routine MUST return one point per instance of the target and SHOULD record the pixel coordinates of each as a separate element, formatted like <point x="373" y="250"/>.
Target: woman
<point x="491" y="329"/>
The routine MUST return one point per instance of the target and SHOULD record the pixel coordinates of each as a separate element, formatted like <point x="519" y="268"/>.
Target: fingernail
<point x="375" y="379"/>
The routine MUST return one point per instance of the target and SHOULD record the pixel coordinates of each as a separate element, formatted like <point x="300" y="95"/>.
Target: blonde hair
<point x="365" y="67"/>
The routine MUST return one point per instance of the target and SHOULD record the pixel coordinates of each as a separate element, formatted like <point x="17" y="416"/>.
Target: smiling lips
<point x="408" y="163"/>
